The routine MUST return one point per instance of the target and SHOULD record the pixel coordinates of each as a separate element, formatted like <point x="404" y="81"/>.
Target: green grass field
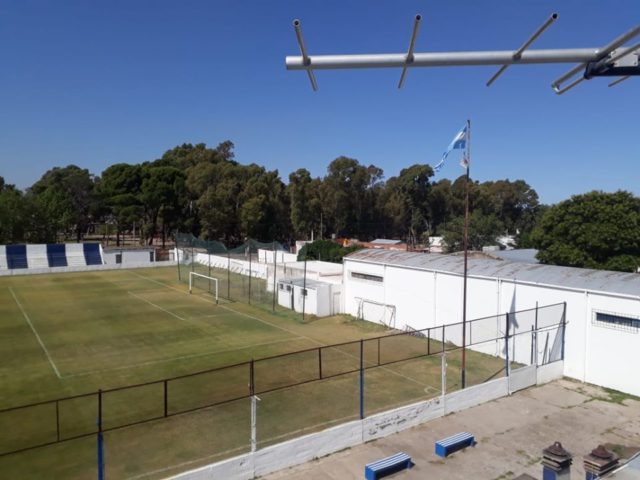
<point x="75" y="333"/>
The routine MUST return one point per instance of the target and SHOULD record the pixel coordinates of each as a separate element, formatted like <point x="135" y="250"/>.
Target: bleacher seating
<point x="50" y="255"/>
<point x="17" y="256"/>
<point x="57" y="255"/>
<point x="92" y="253"/>
<point x="75" y="255"/>
<point x="37" y="256"/>
<point x="3" y="258"/>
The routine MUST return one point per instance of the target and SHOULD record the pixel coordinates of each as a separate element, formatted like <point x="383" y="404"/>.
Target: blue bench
<point x="451" y="444"/>
<point x="387" y="466"/>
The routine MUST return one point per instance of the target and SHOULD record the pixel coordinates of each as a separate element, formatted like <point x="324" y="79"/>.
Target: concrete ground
<point x="511" y="433"/>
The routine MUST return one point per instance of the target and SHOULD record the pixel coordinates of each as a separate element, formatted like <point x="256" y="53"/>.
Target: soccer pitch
<point x="74" y="333"/>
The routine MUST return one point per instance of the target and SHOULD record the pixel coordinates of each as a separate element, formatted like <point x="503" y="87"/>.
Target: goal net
<point x="373" y="311"/>
<point x="203" y="282"/>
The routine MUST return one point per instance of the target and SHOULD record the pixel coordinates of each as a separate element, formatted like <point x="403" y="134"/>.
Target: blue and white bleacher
<point x="44" y="256"/>
<point x="17" y="256"/>
<point x="37" y="256"/>
<point x="57" y="254"/>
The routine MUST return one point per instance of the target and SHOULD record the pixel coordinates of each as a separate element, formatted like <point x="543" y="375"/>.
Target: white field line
<point x="182" y="357"/>
<point x="313" y="340"/>
<point x="26" y="317"/>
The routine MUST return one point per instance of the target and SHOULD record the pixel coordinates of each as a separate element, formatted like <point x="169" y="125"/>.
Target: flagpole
<point x="466" y="247"/>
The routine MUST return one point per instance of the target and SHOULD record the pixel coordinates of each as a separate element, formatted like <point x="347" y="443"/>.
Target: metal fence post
<point x="564" y="327"/>
<point x="506" y="343"/>
<point x="228" y="275"/>
<point x="361" y="379"/>
<point x="320" y="363"/>
<point x="58" y="420"/>
<point x="250" y="271"/>
<point x="254" y="409"/>
<point x="166" y="398"/>
<point x="428" y="341"/>
<point x="535" y="338"/>
<point x="443" y="373"/>
<point x="275" y="268"/>
<point x="100" y="439"/>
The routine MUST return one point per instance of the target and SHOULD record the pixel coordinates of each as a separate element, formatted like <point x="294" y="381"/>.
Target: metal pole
<point x="442" y="59"/>
<point x="57" y="420"/>
<point x="320" y="363"/>
<point x="443" y="373"/>
<point x="166" y="399"/>
<point x="465" y="246"/>
<point x="250" y="271"/>
<point x="564" y="327"/>
<point x="178" y="258"/>
<point x="100" y="439"/>
<point x="254" y="409"/>
<point x="193" y="258"/>
<point x="228" y="275"/>
<point x="412" y="43"/>
<point x="536" y="337"/>
<point x="209" y="253"/>
<point x="506" y="342"/>
<point x="305" y="57"/>
<point x="361" y="379"/>
<point x="304" y="287"/>
<point x="275" y="269"/>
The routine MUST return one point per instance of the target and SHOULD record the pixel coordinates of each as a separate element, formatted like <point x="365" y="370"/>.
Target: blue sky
<point x="95" y="83"/>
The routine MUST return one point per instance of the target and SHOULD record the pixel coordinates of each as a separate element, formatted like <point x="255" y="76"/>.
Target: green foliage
<point x="325" y="250"/>
<point x="594" y="230"/>
<point x="483" y="231"/>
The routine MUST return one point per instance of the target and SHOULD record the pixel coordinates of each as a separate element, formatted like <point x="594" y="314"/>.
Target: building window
<point x="304" y="292"/>
<point x="281" y="286"/>
<point x="366" y="276"/>
<point x="118" y="257"/>
<point x="616" y="321"/>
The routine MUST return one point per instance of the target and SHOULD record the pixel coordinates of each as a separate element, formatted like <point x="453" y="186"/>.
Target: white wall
<point x="128" y="256"/>
<point x="266" y="256"/>
<point x="83" y="268"/>
<point x="593" y="354"/>
<point x="309" y="447"/>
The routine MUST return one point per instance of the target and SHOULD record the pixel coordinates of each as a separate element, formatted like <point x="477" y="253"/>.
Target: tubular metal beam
<point x="305" y="58"/>
<point x="600" y="54"/>
<point x="412" y="43"/>
<point x="518" y="53"/>
<point x="441" y="59"/>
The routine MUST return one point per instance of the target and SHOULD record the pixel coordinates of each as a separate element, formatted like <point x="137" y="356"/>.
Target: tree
<point x="65" y="196"/>
<point x="12" y="213"/>
<point x="594" y="230"/>
<point x="407" y="197"/>
<point x="483" y="231"/>
<point x="325" y="250"/>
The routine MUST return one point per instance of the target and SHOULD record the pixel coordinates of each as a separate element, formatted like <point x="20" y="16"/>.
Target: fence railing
<point x="499" y="342"/>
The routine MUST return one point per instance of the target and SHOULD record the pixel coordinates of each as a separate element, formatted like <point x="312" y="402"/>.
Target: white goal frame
<point x="388" y="318"/>
<point x="196" y="274"/>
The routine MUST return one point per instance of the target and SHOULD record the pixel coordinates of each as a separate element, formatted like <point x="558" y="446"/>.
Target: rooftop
<point x="578" y="278"/>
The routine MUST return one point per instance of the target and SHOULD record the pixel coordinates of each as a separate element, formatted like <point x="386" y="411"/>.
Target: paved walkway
<point x="511" y="433"/>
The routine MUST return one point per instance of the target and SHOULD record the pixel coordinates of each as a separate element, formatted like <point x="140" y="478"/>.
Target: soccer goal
<point x="204" y="282"/>
<point x="373" y="311"/>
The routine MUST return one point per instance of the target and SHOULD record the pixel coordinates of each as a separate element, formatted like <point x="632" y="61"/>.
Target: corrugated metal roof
<point x="521" y="255"/>
<point x="386" y="241"/>
<point x="579" y="278"/>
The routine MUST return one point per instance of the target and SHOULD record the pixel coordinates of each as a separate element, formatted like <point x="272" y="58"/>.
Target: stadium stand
<point x="75" y="255"/>
<point x="57" y="255"/>
<point x="44" y="256"/>
<point x="37" y="256"/>
<point x="92" y="253"/>
<point x="17" y="256"/>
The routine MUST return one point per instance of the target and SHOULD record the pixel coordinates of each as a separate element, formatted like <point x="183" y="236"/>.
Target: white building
<point x="311" y="296"/>
<point x="116" y="255"/>
<point x="426" y="290"/>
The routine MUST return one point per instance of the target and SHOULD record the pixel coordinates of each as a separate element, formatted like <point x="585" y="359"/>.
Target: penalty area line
<point x="42" y="345"/>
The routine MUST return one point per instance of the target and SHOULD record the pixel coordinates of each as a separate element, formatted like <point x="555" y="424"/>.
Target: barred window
<point x="366" y="276"/>
<point x="616" y="321"/>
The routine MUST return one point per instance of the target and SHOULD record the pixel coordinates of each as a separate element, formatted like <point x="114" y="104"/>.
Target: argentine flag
<point x="459" y="142"/>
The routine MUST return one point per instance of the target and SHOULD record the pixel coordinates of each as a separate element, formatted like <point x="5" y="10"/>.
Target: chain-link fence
<point x="225" y="411"/>
<point x="262" y="274"/>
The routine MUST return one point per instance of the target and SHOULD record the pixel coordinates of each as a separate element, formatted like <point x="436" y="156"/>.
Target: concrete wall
<point x="128" y="256"/>
<point x="593" y="353"/>
<point x="243" y="267"/>
<point x="266" y="256"/>
<point x="83" y="268"/>
<point x="316" y="445"/>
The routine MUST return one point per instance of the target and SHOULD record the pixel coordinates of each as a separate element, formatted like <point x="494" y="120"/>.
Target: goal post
<point x="372" y="311"/>
<point x="193" y="276"/>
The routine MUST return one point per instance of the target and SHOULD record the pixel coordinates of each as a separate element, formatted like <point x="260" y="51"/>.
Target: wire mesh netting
<point x="299" y="392"/>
